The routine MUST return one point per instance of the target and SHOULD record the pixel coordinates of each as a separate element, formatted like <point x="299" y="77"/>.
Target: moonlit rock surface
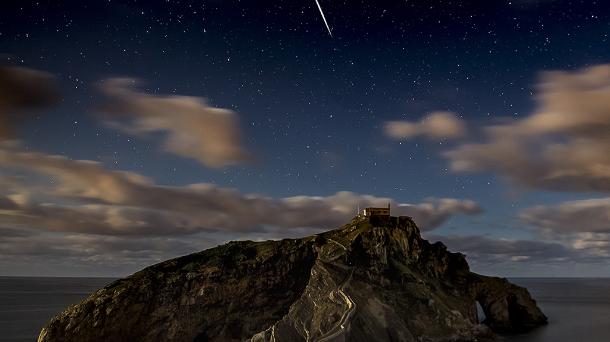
<point x="371" y="280"/>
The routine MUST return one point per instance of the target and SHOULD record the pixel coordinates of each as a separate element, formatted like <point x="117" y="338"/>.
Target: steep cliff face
<point x="371" y="280"/>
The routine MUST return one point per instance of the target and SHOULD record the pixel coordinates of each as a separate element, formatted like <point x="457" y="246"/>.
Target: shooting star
<point x="324" y="18"/>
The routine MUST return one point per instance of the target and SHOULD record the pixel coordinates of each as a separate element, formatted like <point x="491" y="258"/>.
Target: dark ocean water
<point x="26" y="304"/>
<point x="578" y="309"/>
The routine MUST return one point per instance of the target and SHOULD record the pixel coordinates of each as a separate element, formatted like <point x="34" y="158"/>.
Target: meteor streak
<point x="324" y="18"/>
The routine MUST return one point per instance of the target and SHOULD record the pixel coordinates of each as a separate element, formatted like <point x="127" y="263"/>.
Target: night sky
<point x="136" y="131"/>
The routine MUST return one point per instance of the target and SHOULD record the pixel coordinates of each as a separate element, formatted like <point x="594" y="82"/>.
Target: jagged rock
<point x="372" y="280"/>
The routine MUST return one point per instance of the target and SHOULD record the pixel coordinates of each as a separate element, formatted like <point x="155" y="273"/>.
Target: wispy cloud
<point x="437" y="125"/>
<point x="582" y="224"/>
<point x="562" y="146"/>
<point x="23" y="90"/>
<point x="497" y="251"/>
<point x="27" y="252"/>
<point x="82" y="196"/>
<point x="591" y="215"/>
<point x="191" y="127"/>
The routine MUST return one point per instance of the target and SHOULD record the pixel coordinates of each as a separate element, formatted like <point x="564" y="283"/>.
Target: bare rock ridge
<point x="374" y="279"/>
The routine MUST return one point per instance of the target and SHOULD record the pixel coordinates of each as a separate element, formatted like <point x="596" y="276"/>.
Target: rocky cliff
<point x="372" y="280"/>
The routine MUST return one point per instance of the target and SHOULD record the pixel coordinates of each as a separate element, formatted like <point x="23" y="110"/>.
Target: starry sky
<point x="135" y="131"/>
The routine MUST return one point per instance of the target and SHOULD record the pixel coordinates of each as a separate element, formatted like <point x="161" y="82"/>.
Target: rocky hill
<point x="372" y="280"/>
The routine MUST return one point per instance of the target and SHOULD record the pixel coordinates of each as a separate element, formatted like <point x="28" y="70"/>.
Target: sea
<point x="578" y="308"/>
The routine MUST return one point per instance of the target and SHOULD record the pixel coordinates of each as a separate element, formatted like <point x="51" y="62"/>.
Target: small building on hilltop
<point x="368" y="212"/>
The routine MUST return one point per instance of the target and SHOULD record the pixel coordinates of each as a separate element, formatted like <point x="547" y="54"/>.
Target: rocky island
<point x="374" y="279"/>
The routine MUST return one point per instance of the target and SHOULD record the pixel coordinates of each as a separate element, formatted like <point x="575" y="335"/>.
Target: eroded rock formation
<point x="375" y="279"/>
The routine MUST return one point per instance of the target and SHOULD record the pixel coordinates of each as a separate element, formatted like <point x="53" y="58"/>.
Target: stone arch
<point x="507" y="307"/>
<point x="479" y="311"/>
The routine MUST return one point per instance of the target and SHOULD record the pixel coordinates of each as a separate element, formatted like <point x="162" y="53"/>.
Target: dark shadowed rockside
<point x="374" y="279"/>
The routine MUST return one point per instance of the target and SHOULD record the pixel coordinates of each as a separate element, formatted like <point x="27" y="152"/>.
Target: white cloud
<point x="437" y="125"/>
<point x="592" y="215"/>
<point x="435" y="211"/>
<point x="495" y="251"/>
<point x="583" y="225"/>
<point x="563" y="145"/>
<point x="27" y="252"/>
<point x="192" y="128"/>
<point x="82" y="196"/>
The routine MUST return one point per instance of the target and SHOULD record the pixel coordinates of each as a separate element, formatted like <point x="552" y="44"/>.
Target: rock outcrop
<point x="372" y="280"/>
